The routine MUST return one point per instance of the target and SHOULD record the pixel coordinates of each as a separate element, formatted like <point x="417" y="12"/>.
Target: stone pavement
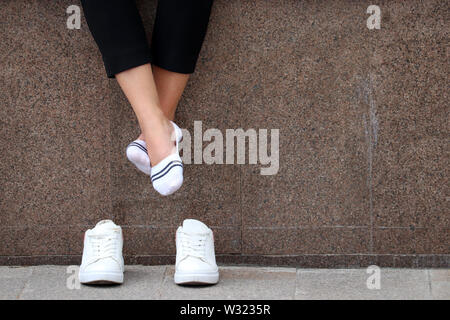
<point x="156" y="282"/>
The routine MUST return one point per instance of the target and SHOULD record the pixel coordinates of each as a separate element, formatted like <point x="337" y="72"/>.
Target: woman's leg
<point x="180" y="27"/>
<point x="161" y="136"/>
<point x="117" y="28"/>
<point x="170" y="86"/>
<point x="178" y="34"/>
<point x="140" y="89"/>
<point x="120" y="35"/>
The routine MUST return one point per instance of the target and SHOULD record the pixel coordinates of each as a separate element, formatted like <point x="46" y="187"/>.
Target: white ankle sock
<point x="137" y="154"/>
<point x="167" y="175"/>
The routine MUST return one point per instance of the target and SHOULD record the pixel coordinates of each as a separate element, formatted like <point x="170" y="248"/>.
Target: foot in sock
<point x="195" y="260"/>
<point x="102" y="260"/>
<point x="167" y="174"/>
<point x="138" y="155"/>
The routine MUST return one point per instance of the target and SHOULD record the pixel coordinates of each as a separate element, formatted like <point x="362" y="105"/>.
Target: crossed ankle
<point x="160" y="142"/>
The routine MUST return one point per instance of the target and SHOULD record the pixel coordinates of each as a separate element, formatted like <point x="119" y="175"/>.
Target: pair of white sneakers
<point x="102" y="260"/>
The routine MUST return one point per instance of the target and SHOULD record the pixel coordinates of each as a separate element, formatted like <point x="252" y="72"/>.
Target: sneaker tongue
<point x="104" y="225"/>
<point x="194" y="226"/>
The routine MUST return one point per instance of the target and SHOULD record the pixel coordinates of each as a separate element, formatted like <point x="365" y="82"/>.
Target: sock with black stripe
<point x="137" y="154"/>
<point x="167" y="175"/>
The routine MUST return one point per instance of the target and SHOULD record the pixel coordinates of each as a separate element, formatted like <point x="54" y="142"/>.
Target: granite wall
<point x="363" y="137"/>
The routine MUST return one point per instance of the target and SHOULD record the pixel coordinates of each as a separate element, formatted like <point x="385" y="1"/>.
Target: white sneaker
<point x="102" y="260"/>
<point x="167" y="175"/>
<point x="196" y="261"/>
<point x="137" y="154"/>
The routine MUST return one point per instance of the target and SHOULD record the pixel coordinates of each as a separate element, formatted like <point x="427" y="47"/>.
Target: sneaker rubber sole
<point x="196" y="278"/>
<point x="101" y="277"/>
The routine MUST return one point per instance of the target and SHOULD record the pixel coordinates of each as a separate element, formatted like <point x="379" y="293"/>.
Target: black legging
<point x="178" y="33"/>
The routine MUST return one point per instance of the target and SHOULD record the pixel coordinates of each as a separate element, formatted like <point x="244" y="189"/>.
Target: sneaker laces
<point x="193" y="245"/>
<point x="103" y="246"/>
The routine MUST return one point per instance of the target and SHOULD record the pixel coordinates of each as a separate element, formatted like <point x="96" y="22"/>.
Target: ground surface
<point x="156" y="282"/>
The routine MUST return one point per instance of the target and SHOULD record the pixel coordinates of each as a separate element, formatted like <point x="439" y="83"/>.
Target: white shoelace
<point x="103" y="246"/>
<point x="193" y="245"/>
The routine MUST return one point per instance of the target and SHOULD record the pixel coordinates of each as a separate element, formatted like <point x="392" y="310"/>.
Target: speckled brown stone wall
<point x="362" y="114"/>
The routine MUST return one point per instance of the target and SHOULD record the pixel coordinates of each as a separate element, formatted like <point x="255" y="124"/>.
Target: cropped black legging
<point x="178" y="33"/>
